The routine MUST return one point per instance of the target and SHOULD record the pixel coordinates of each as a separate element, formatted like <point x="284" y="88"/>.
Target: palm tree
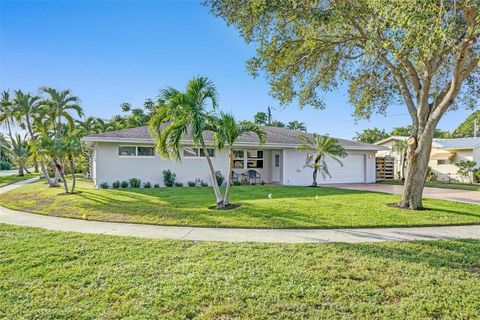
<point x="58" y="107"/>
<point x="3" y="147"/>
<point x="297" y="125"/>
<point x="182" y="112"/>
<point x="324" y="146"/>
<point x="400" y="147"/>
<point x="6" y="112"/>
<point x="227" y="132"/>
<point x="18" y="152"/>
<point x="26" y="108"/>
<point x="88" y="126"/>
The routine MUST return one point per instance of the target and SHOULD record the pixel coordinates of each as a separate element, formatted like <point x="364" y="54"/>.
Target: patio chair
<point x="254" y="176"/>
<point x="234" y="176"/>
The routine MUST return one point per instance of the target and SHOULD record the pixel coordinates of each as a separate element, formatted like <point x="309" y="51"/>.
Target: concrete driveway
<point x="433" y="193"/>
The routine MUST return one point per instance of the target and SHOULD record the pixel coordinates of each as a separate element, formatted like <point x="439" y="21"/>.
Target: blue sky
<point x="109" y="52"/>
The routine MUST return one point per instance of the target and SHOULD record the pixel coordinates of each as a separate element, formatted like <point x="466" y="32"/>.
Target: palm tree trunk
<point x="226" y="201"/>
<point x="74" y="180"/>
<point x="215" y="186"/>
<point x="315" y="171"/>
<point x="20" y="170"/>
<point x="50" y="182"/>
<point x="9" y="130"/>
<point x="58" y="168"/>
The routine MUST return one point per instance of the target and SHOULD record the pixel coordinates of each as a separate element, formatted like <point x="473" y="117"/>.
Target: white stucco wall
<point x="296" y="173"/>
<point x="111" y="167"/>
<point x="449" y="172"/>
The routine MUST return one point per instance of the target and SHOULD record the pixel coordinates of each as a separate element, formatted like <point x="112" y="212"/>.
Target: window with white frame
<point x="238" y="159"/>
<point x="255" y="159"/>
<point x="189" y="152"/>
<point x="444" y="162"/>
<point x="127" y="151"/>
<point x="136" y="151"/>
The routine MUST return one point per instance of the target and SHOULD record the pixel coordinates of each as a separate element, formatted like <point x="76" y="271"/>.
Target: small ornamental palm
<point x="179" y="112"/>
<point x="227" y="132"/>
<point x="401" y="148"/>
<point x="324" y="146"/>
<point x="18" y="152"/>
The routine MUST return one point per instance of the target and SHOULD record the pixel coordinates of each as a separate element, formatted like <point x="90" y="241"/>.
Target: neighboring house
<point x="124" y="154"/>
<point x="443" y="158"/>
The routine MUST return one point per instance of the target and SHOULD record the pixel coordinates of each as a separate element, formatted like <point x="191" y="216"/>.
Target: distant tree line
<point x="465" y="129"/>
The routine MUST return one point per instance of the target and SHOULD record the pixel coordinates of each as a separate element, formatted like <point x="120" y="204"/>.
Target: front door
<point x="276" y="165"/>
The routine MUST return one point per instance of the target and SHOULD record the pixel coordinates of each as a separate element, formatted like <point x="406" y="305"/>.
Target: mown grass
<point x="56" y="275"/>
<point x="443" y="185"/>
<point x="290" y="207"/>
<point x="6" y="180"/>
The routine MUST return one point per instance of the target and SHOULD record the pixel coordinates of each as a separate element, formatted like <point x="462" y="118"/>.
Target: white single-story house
<point x="124" y="154"/>
<point x="443" y="158"/>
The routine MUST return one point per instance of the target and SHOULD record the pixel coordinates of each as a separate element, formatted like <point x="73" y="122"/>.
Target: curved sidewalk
<point x="235" y="235"/>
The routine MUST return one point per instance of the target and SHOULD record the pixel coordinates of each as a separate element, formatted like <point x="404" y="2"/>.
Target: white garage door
<point x="353" y="170"/>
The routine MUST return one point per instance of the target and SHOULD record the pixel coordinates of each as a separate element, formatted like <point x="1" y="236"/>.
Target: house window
<point x="125" y="151"/>
<point x="197" y="152"/>
<point x="238" y="154"/>
<point x="254" y="159"/>
<point x="211" y="152"/>
<point x="255" y="164"/>
<point x="145" y="151"/>
<point x="444" y="162"/>
<point x="238" y="159"/>
<point x="277" y="160"/>
<point x="255" y="154"/>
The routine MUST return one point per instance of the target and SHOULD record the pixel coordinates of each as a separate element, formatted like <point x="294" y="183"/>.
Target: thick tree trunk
<point x="226" y="201"/>
<point x="418" y="156"/>
<point x="215" y="186"/>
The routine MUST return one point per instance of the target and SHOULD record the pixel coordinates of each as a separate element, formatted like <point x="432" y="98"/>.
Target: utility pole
<point x="269" y="115"/>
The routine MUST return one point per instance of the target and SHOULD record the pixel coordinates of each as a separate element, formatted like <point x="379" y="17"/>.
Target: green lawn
<point x="291" y="207"/>
<point x="11" y="179"/>
<point x="56" y="275"/>
<point x="443" y="185"/>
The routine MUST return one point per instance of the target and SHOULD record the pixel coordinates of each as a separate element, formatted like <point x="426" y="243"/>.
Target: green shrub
<point x="178" y="184"/>
<point x="156" y="185"/>
<point x="147" y="185"/>
<point x="135" y="183"/>
<point x="124" y="184"/>
<point x="191" y="183"/>
<point x="169" y="178"/>
<point x="220" y="178"/>
<point x="104" y="185"/>
<point x="5" y="165"/>
<point x="203" y="184"/>
<point x="116" y="185"/>
<point x="263" y="183"/>
<point x="237" y="183"/>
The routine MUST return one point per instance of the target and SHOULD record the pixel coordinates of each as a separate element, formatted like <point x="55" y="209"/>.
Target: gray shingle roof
<point x="275" y="136"/>
<point x="459" y="143"/>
